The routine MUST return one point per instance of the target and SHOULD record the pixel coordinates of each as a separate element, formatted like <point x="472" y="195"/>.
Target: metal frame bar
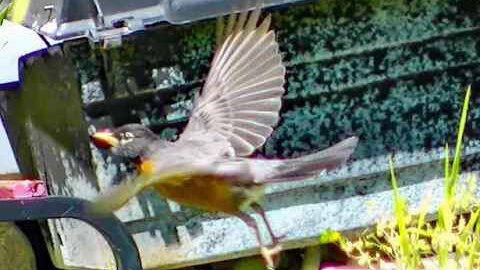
<point x="98" y="24"/>
<point x="51" y="207"/>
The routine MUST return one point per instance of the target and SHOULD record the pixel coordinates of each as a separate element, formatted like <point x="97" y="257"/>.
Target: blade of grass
<point x="400" y="211"/>
<point x="470" y="224"/>
<point x="4" y="12"/>
<point x="471" y="256"/>
<point x="447" y="167"/>
<point x="458" y="148"/>
<point x="467" y="231"/>
<point x="446" y="217"/>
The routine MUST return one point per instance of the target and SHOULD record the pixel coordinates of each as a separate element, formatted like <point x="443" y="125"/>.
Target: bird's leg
<point x="268" y="254"/>
<point x="259" y="210"/>
<point x="252" y="224"/>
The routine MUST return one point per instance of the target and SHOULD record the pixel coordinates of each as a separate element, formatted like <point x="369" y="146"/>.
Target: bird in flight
<point x="208" y="166"/>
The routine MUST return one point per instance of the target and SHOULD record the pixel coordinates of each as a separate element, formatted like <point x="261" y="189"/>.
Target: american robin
<point x="207" y="166"/>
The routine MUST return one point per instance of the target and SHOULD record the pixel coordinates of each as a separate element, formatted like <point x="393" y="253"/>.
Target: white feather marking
<point x="271" y="104"/>
<point x="252" y="126"/>
<point x="266" y="118"/>
<point x="246" y="52"/>
<point x="247" y="94"/>
<point x="252" y="138"/>
<point x="266" y="57"/>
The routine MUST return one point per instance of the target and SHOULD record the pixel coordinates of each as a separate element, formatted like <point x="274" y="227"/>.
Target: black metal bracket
<point x="52" y="207"/>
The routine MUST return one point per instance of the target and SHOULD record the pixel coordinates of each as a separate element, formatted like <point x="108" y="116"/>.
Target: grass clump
<point x="411" y="241"/>
<point x="4" y="13"/>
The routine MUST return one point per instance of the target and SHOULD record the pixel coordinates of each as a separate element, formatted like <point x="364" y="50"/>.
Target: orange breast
<point x="206" y="192"/>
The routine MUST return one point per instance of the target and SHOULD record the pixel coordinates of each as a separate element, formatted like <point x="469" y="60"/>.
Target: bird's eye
<point x="129" y="135"/>
<point x="126" y="137"/>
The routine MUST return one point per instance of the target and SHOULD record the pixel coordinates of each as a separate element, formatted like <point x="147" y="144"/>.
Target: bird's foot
<point x="271" y="255"/>
<point x="276" y="239"/>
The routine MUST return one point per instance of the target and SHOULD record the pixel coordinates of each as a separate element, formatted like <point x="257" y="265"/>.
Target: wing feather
<point x="241" y="97"/>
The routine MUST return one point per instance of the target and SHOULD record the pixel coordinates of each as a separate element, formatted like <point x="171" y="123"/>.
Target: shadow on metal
<point x="52" y="207"/>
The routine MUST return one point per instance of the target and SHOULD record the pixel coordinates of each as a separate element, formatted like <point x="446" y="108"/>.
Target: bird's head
<point x="130" y="140"/>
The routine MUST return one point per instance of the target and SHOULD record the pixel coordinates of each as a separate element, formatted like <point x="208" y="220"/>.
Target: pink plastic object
<point x="22" y="189"/>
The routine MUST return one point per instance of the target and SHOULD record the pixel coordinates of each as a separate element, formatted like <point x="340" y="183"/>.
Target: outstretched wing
<point x="241" y="98"/>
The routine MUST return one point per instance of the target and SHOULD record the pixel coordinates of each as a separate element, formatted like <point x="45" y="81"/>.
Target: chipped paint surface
<point x="74" y="236"/>
<point x="48" y="133"/>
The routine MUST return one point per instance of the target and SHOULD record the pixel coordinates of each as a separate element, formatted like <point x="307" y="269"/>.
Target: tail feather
<point x="310" y="165"/>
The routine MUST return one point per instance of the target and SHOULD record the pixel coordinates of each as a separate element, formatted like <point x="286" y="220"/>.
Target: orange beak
<point x="104" y="139"/>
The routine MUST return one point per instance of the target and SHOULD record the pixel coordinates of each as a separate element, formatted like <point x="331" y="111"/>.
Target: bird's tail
<point x="309" y="165"/>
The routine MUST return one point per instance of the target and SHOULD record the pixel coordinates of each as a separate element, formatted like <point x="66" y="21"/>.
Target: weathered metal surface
<point x="109" y="20"/>
<point x="48" y="132"/>
<point x="63" y="207"/>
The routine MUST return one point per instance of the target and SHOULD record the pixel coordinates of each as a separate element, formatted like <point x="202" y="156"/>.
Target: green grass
<point x="15" y="11"/>
<point x="452" y="240"/>
<point x="4" y="12"/>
